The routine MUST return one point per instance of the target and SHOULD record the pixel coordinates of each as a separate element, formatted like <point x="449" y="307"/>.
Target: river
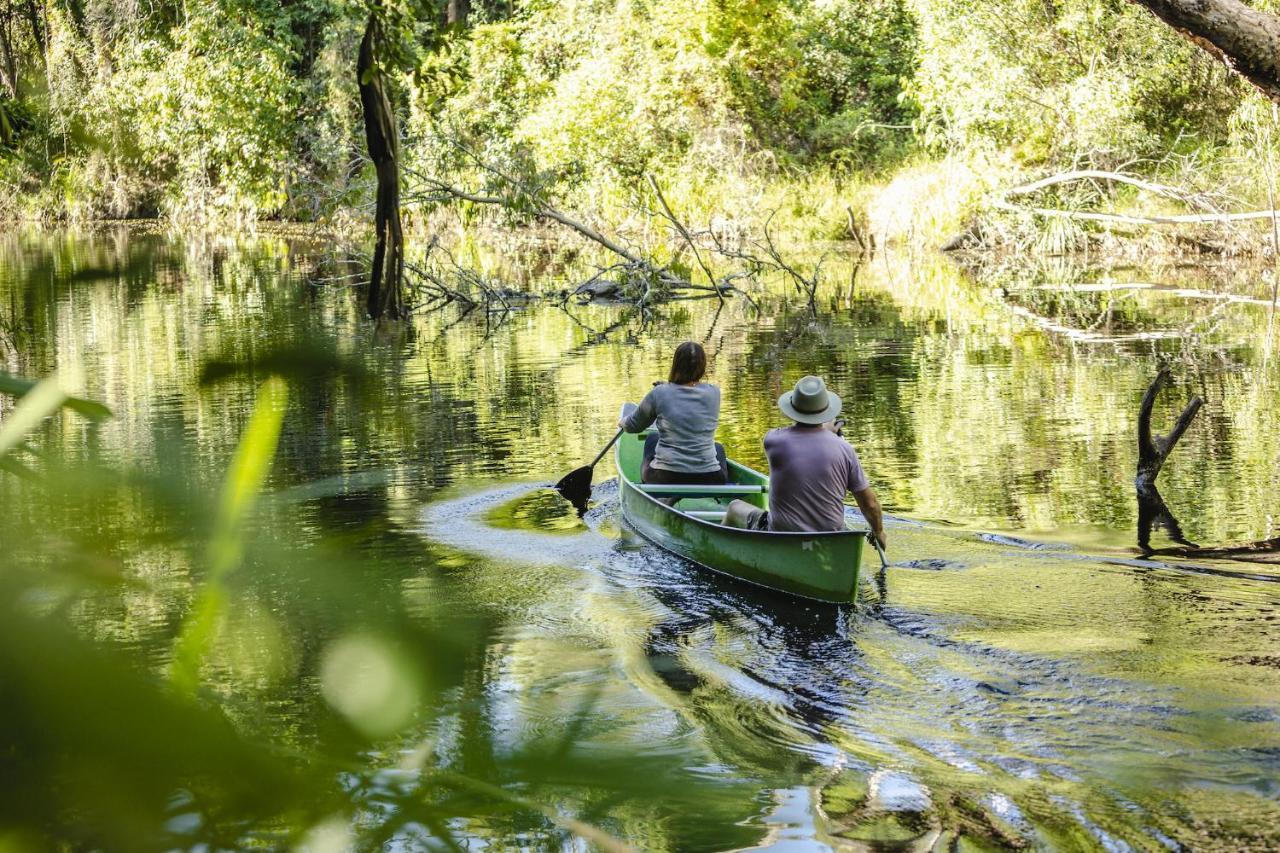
<point x="1019" y="676"/>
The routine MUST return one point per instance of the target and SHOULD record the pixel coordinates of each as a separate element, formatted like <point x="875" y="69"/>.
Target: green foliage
<point x="216" y="109"/>
<point x="818" y="79"/>
<point x="197" y="118"/>
<point x="1090" y="79"/>
<point x="248" y="108"/>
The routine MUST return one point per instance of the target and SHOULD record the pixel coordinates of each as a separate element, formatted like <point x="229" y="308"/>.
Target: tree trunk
<point x="37" y="27"/>
<point x="386" y="297"/>
<point x="1245" y="39"/>
<point x="1152" y="452"/>
<point x="456" y="12"/>
<point x="8" y="68"/>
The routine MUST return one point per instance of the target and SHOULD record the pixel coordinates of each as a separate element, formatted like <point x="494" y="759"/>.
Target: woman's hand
<point x="622" y="423"/>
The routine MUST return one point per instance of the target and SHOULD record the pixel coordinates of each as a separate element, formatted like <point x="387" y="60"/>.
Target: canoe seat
<point x="730" y="490"/>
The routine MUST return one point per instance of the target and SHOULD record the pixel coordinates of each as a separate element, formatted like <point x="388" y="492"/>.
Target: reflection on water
<point x="1019" y="674"/>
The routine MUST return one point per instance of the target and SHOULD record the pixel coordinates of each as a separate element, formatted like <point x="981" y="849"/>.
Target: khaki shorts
<point x="757" y="519"/>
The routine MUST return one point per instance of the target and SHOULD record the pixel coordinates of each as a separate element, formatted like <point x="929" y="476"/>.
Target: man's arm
<point x="870" y="506"/>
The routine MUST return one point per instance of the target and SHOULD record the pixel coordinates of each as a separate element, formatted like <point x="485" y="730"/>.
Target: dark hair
<point x="689" y="363"/>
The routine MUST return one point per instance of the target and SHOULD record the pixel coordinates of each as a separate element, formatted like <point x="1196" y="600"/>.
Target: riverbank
<point x="982" y="207"/>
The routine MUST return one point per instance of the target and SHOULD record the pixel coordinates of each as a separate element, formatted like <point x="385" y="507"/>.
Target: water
<point x="1019" y="675"/>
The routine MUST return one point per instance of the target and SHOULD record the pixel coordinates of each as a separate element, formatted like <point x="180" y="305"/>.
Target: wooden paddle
<point x="575" y="487"/>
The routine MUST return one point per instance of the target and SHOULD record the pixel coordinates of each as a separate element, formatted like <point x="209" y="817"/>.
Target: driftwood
<point x="1208" y="215"/>
<point x="1135" y="219"/>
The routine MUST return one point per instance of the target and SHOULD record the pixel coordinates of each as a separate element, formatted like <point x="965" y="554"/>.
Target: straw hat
<point x="810" y="402"/>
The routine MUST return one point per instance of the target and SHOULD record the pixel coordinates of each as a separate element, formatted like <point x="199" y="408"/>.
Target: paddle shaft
<point x="884" y="564"/>
<point x="617" y="435"/>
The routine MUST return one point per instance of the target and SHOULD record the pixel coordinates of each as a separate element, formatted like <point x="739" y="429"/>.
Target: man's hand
<point x="879" y="537"/>
<point x="836" y="426"/>
<point x="622" y="423"/>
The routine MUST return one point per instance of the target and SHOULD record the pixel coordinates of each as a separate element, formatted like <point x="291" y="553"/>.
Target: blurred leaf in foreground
<point x="248" y="472"/>
<point x="94" y="751"/>
<point x="18" y="387"/>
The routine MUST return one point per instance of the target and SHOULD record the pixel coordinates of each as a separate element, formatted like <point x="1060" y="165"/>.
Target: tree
<point x="386" y="277"/>
<point x="456" y="13"/>
<point x="8" y="65"/>
<point x="1245" y="39"/>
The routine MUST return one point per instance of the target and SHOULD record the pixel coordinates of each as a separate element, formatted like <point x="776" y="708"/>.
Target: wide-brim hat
<point x="810" y="402"/>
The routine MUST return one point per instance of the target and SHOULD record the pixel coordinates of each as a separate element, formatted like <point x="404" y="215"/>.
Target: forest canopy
<point x="250" y="109"/>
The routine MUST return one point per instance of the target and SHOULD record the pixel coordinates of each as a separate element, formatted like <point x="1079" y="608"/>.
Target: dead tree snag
<point x="386" y="278"/>
<point x="1154" y="450"/>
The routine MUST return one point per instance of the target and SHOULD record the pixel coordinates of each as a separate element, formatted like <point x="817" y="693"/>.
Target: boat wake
<point x="989" y="674"/>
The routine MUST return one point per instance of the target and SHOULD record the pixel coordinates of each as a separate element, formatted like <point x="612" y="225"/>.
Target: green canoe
<point x="822" y="566"/>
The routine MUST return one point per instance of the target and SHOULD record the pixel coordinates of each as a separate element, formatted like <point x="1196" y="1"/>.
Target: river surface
<point x="1019" y="676"/>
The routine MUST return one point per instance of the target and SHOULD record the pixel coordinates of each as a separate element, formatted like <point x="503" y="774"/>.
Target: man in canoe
<point x="811" y="468"/>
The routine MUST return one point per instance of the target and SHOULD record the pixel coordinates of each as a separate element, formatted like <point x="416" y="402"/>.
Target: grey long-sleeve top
<point x="686" y="416"/>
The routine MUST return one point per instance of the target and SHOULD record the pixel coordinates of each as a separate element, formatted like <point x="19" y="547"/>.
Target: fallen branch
<point x="856" y="232"/>
<point x="684" y="232"/>
<point x="1113" y="177"/>
<point x="1134" y="219"/>
<point x="1152" y="510"/>
<point x="447" y="192"/>
<point x="806" y="285"/>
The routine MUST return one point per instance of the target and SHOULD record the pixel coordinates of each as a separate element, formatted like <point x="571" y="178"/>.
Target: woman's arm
<point x="639" y="420"/>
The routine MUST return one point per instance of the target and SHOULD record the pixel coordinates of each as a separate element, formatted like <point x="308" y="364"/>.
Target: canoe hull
<point x="820" y="566"/>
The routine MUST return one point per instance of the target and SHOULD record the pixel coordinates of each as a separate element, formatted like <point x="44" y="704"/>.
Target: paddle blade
<point x="576" y="488"/>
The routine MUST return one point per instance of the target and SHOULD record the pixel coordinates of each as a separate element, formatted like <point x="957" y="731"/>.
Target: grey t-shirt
<point x="810" y="471"/>
<point x="687" y="416"/>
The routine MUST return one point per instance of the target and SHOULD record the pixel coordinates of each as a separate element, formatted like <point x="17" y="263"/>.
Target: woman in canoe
<point x="683" y="451"/>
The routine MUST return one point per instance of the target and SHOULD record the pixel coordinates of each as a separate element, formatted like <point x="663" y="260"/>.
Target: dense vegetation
<point x="248" y="108"/>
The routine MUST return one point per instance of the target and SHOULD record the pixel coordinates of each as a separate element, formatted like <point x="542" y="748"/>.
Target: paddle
<point x="884" y="564"/>
<point x="575" y="487"/>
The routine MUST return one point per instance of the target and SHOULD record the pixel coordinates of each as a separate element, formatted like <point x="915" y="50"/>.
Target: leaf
<point x="18" y="387"/>
<point x="41" y="400"/>
<point x="245" y="478"/>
